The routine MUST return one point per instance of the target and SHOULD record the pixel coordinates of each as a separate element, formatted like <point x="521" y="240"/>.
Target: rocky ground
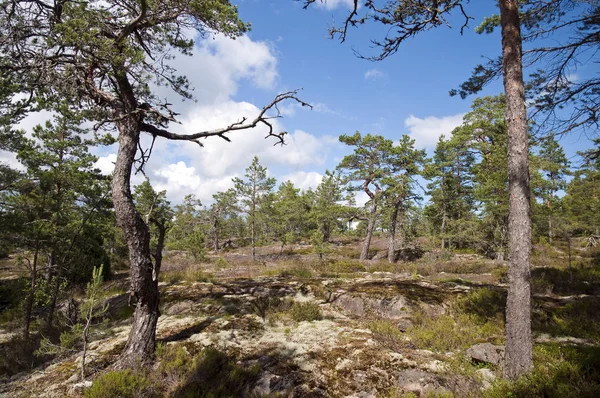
<point x="292" y="326"/>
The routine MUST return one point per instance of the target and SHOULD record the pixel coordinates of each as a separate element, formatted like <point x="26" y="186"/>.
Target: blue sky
<point x="288" y="48"/>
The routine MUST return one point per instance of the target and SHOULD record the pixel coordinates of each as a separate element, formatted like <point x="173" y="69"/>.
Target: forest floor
<point x="290" y="324"/>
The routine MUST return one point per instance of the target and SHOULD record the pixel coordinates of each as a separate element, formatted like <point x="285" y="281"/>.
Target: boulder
<point x="486" y="353"/>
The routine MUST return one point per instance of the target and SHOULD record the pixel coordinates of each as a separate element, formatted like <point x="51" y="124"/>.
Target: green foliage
<point x="187" y="231"/>
<point x="308" y="312"/>
<point x="215" y="374"/>
<point x="122" y="383"/>
<point x="386" y="333"/>
<point x="190" y="274"/>
<point x="298" y="271"/>
<point x="325" y="208"/>
<point x="560" y="372"/>
<point x="319" y="245"/>
<point x="347" y="266"/>
<point x="451" y="332"/>
<point x="221" y="263"/>
<point x="173" y="362"/>
<point x="254" y="196"/>
<point x="579" y="319"/>
<point x="485" y="304"/>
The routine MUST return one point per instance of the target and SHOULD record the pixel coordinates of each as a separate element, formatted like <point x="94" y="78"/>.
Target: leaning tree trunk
<point x="518" y="307"/>
<point x="144" y="288"/>
<point x="364" y="254"/>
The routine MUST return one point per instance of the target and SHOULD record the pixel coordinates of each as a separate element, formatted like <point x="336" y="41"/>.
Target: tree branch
<point x="262" y="118"/>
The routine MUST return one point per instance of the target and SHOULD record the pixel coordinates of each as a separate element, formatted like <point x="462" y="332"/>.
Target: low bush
<point x="560" y="372"/>
<point x="387" y="334"/>
<point x="305" y="312"/>
<point x="123" y="384"/>
<point x="215" y="374"/>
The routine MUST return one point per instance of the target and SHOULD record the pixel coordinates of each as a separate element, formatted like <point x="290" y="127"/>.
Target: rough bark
<point x="518" y="308"/>
<point x="215" y="230"/>
<point x="144" y="289"/>
<point x="392" y="234"/>
<point x="443" y="229"/>
<point x="364" y="254"/>
<point x="31" y="295"/>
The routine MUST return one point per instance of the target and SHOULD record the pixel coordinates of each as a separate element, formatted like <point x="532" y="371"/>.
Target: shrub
<point x="123" y="384"/>
<point x="175" y="364"/>
<point x="560" y="372"/>
<point x="388" y="335"/>
<point x="347" y="266"/>
<point x="306" y="312"/>
<point x="298" y="271"/>
<point x="455" y="331"/>
<point x="484" y="304"/>
<point x="221" y="263"/>
<point x="214" y="374"/>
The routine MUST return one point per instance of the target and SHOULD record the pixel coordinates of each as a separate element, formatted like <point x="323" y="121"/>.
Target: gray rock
<point x="404" y="324"/>
<point x="487" y="377"/>
<point x="359" y="305"/>
<point x="487" y="353"/>
<point x="180" y="307"/>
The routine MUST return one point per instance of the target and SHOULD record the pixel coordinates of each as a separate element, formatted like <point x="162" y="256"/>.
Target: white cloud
<point x="10" y="159"/>
<point x="427" y="131"/>
<point x="361" y="198"/>
<point x="106" y="164"/>
<point x="179" y="180"/>
<point x="304" y="180"/>
<point x="374" y="74"/>
<point x="217" y="66"/>
<point x="332" y="4"/>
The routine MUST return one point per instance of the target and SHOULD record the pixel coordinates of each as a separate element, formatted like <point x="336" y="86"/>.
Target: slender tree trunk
<point x="144" y="288"/>
<point x="364" y="254"/>
<point x="518" y="359"/>
<point x="216" y="232"/>
<point x="160" y="245"/>
<point x="252" y="237"/>
<point x="443" y="229"/>
<point x="392" y="234"/>
<point x="31" y="295"/>
<point x="55" y="279"/>
<point x="84" y="337"/>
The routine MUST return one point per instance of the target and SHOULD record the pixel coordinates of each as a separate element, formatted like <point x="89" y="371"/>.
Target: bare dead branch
<point x="243" y="124"/>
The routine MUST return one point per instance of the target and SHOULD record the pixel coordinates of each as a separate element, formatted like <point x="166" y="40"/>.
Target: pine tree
<point x="251" y="194"/>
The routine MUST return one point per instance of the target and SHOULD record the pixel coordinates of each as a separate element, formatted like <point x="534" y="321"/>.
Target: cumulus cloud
<point x="304" y="180"/>
<point x="426" y="131"/>
<point x="373" y="74"/>
<point x="216" y="67"/>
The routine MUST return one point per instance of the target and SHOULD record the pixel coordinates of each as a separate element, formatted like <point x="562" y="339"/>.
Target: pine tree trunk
<point x="364" y="254"/>
<point x="144" y="289"/>
<point x="518" y="360"/>
<point x="443" y="229"/>
<point x="392" y="235"/>
<point x="31" y="295"/>
<point x="252" y="237"/>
